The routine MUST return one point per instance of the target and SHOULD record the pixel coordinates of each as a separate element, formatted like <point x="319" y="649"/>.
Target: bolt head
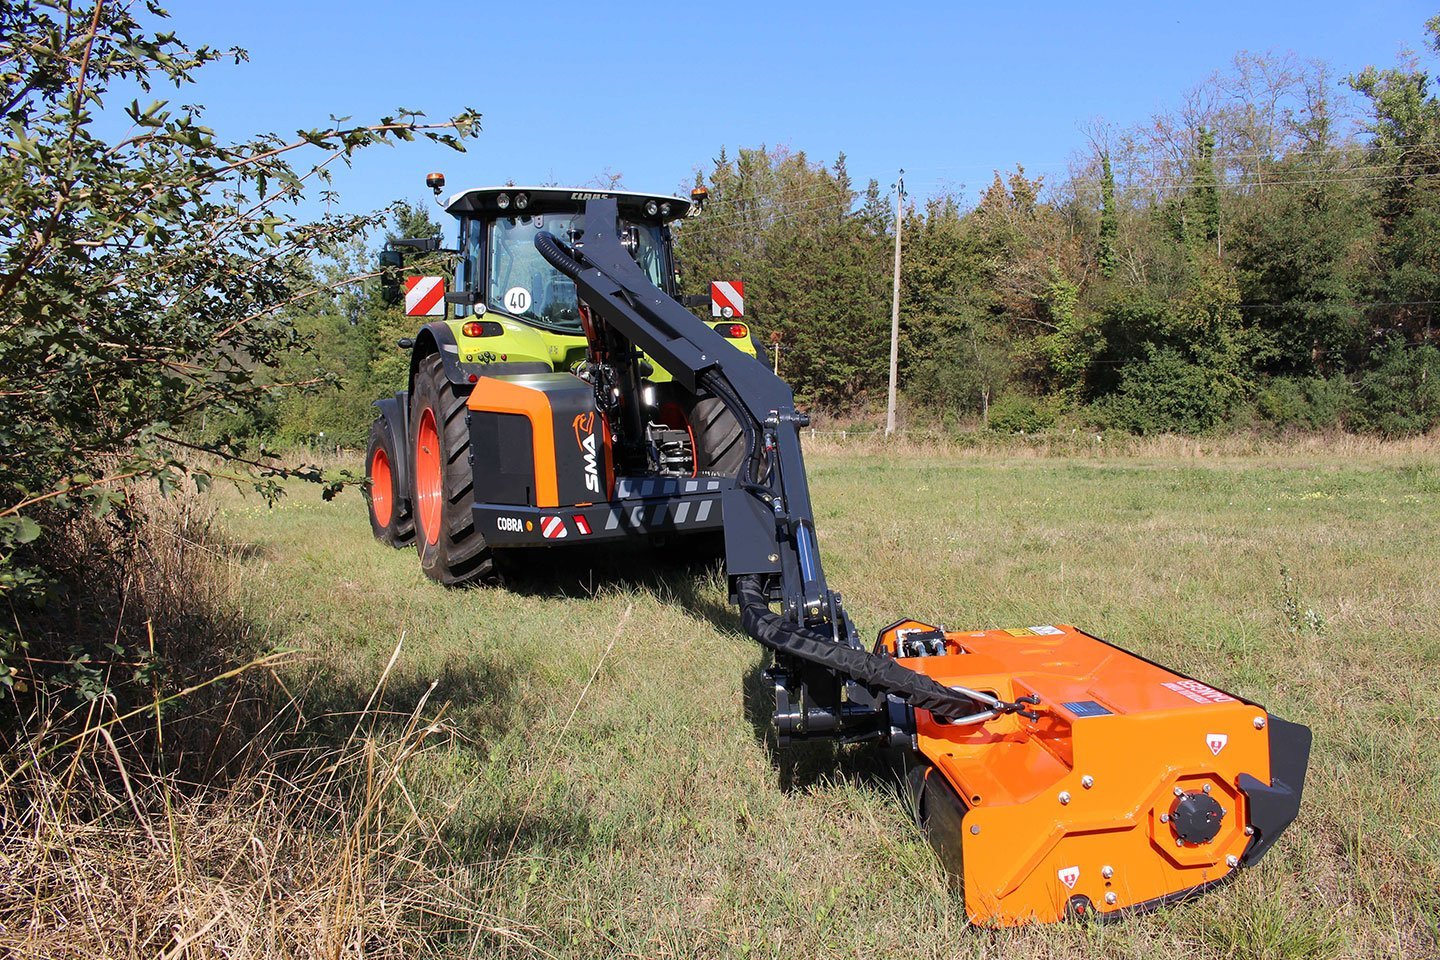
<point x="1110" y="898"/>
<point x="1179" y="792"/>
<point x="1064" y="797"/>
<point x="1179" y="842"/>
<point x="1107" y="871"/>
<point x="1259" y="723"/>
<point x="1164" y="818"/>
<point x="1232" y="861"/>
<point x="1249" y="831"/>
<point x="1206" y="788"/>
<point x="1087" y="781"/>
<point x="974" y="829"/>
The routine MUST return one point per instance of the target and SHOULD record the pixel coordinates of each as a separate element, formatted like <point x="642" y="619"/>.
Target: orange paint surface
<point x="504" y="396"/>
<point x="1135" y="729"/>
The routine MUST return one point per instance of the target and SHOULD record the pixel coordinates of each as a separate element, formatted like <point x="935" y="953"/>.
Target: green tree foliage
<point x="1204" y="191"/>
<point x="1296" y="251"/>
<point x="1244" y="255"/>
<point x="1400" y="393"/>
<point x="1109" y="217"/>
<point x="1404" y="155"/>
<point x="347" y="355"/>
<point x="148" y="279"/>
<point x="813" y="267"/>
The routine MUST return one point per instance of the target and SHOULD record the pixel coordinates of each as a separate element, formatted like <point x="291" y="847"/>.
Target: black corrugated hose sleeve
<point x="557" y="254"/>
<point x="874" y="671"/>
<point x="718" y="385"/>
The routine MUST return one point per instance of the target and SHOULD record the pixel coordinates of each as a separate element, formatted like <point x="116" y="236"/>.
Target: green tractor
<point x="510" y="313"/>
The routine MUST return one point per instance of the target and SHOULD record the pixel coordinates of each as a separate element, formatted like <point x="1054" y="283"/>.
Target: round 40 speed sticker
<point x="517" y="300"/>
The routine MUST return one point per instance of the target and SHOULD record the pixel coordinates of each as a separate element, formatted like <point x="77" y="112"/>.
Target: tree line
<point x="1267" y="253"/>
<point x="1264" y="254"/>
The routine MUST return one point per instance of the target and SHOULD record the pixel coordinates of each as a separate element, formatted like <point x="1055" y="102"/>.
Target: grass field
<point x="601" y="782"/>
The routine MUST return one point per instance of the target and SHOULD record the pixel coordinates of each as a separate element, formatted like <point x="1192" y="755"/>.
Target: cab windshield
<point x="524" y="285"/>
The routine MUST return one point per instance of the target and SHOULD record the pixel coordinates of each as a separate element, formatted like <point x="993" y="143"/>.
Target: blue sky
<point x="948" y="91"/>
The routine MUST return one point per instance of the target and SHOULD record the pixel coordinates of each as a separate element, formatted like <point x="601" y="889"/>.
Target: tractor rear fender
<point x="439" y="338"/>
<point x="395" y="412"/>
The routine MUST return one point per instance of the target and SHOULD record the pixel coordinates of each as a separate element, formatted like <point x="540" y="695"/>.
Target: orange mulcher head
<point x="1125" y="786"/>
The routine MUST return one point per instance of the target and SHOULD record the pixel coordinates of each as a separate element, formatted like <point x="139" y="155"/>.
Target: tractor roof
<point x="482" y="200"/>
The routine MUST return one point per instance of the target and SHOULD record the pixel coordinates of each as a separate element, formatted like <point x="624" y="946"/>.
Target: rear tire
<point x="719" y="441"/>
<point x="390" y="518"/>
<point x="451" y="549"/>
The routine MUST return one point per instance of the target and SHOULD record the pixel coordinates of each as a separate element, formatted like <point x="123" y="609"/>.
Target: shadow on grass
<point x="804" y="764"/>
<point x="683" y="574"/>
<point x="499" y="835"/>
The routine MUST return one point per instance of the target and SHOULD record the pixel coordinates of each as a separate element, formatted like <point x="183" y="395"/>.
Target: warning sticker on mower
<point x="1216" y="742"/>
<point x="1045" y="630"/>
<point x="553" y="528"/>
<point x="1086" y="708"/>
<point x="1197" y="691"/>
<point x="1019" y="631"/>
<point x="1069" y="876"/>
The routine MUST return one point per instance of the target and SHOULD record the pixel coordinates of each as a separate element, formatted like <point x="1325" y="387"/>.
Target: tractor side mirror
<point x="391" y="261"/>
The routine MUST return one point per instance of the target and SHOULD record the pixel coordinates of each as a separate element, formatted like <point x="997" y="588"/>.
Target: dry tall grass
<point x="179" y="818"/>
<point x="1320" y="447"/>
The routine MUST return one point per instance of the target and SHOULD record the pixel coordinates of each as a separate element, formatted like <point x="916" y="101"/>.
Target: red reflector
<point x="474" y="377"/>
<point x="581" y="524"/>
<point x="736" y="331"/>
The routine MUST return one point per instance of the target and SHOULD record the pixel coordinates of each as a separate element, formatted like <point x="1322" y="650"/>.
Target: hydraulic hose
<point x="716" y="384"/>
<point x="557" y="254"/>
<point x="774" y="632"/>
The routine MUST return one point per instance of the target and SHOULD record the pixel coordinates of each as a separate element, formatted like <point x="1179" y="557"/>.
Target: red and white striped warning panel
<point x="727" y="298"/>
<point x="424" y="296"/>
<point x="553" y="528"/>
<point x="582" y="525"/>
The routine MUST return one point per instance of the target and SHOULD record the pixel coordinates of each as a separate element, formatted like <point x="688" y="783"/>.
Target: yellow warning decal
<point x="1020" y="631"/>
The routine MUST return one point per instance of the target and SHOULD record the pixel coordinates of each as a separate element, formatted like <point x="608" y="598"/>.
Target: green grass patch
<point x="654" y="820"/>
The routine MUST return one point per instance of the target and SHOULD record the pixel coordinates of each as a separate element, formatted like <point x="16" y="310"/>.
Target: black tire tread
<point x="719" y="440"/>
<point x="401" y="530"/>
<point x="461" y="554"/>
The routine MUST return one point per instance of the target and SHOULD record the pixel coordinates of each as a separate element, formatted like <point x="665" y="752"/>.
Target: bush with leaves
<point x="1400" y="394"/>
<point x="1017" y="413"/>
<point x="1307" y="403"/>
<point x="1168" y="393"/>
<point x="145" y="278"/>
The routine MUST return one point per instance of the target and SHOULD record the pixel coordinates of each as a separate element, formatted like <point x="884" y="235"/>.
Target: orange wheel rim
<point x="428" y="486"/>
<point x="382" y="488"/>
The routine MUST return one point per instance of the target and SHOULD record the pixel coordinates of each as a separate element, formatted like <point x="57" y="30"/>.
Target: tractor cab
<point x="499" y="270"/>
<point x="507" y="304"/>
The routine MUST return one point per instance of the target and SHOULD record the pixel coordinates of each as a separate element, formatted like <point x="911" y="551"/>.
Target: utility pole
<point x="895" y="304"/>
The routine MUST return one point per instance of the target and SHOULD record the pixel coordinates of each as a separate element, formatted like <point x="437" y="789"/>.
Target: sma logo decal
<point x="585" y="439"/>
